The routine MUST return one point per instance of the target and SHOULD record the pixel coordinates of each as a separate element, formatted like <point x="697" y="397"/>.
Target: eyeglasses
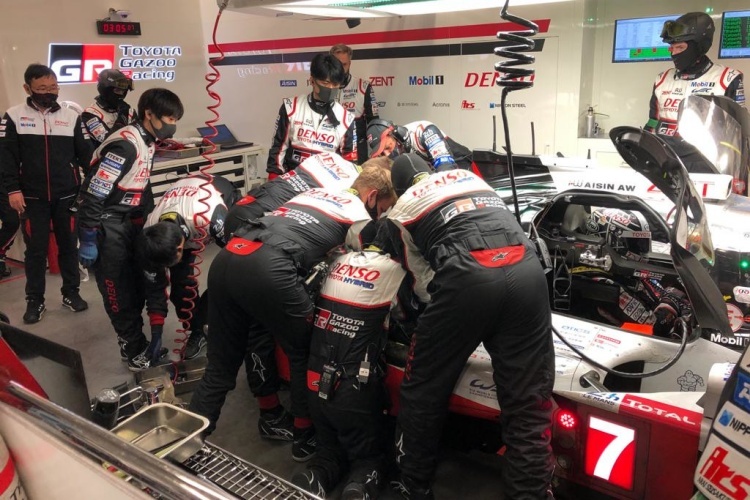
<point x="44" y="90"/>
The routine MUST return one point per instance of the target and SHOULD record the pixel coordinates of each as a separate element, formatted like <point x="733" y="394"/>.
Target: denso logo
<point x="325" y="195"/>
<point x="381" y="81"/>
<point x="355" y="272"/>
<point x="427" y="80"/>
<point x="312" y="135"/>
<point x="672" y="103"/>
<point x="80" y="63"/>
<point x="488" y="78"/>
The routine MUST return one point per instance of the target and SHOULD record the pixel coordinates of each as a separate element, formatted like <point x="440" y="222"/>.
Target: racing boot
<point x="276" y="423"/>
<point x="303" y="444"/>
<point x="363" y="486"/>
<point x="195" y="344"/>
<point x="312" y="480"/>
<point x="411" y="489"/>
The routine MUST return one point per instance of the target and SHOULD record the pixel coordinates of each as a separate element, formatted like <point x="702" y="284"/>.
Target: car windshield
<point x="712" y="130"/>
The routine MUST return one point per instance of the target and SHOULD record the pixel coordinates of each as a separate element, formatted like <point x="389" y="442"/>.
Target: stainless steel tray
<point x="189" y="374"/>
<point x="164" y="430"/>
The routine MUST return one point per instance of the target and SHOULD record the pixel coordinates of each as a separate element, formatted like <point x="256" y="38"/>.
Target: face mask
<point x="44" y="100"/>
<point x="327" y="95"/>
<point x="373" y="211"/>
<point x="394" y="154"/>
<point x="687" y="57"/>
<point x="112" y="99"/>
<point x="166" y="131"/>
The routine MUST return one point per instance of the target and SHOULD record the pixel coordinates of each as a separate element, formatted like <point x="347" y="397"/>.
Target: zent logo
<point x="80" y="63"/>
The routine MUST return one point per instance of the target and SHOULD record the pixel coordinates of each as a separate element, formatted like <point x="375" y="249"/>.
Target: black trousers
<point x="36" y="230"/>
<point x="251" y="295"/>
<point x="119" y="277"/>
<point x="350" y="430"/>
<point x="10" y="224"/>
<point x="507" y="309"/>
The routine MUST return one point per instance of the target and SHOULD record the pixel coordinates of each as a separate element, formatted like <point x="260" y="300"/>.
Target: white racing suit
<point x="347" y="346"/>
<point x="429" y="142"/>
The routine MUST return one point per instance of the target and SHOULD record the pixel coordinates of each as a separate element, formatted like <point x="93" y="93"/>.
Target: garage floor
<point x="460" y="475"/>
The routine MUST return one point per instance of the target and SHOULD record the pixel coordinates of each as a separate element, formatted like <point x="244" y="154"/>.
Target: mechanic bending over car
<point x="323" y="170"/>
<point x="689" y="38"/>
<point x="423" y="138"/>
<point x="256" y="285"/>
<point x="171" y="239"/>
<point x="346" y="374"/>
<point x="114" y="201"/>
<point x="644" y="301"/>
<point x="482" y="280"/>
<point x="313" y="123"/>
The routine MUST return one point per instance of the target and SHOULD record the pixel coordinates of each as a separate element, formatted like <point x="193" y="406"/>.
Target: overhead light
<point x="378" y="8"/>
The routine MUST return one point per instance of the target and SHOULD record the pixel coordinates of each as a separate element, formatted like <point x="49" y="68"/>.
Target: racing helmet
<point x="693" y="26"/>
<point x="624" y="230"/>
<point x="378" y="130"/>
<point x="113" y="86"/>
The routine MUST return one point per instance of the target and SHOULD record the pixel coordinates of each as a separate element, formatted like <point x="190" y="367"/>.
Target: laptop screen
<point x="224" y="135"/>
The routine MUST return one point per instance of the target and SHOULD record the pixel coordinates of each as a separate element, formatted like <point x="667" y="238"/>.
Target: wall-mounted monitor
<point x="639" y="40"/>
<point x="735" y="34"/>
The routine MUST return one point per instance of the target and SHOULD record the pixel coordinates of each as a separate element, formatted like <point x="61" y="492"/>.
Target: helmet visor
<point x="673" y="31"/>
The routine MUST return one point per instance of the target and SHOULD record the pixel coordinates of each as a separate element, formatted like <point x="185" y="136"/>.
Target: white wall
<point x="573" y="71"/>
<point x="27" y="27"/>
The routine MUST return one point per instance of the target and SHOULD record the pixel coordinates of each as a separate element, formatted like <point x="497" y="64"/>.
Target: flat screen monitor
<point x="735" y="34"/>
<point x="639" y="40"/>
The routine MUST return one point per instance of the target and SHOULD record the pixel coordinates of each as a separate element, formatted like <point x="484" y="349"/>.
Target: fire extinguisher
<point x="10" y="484"/>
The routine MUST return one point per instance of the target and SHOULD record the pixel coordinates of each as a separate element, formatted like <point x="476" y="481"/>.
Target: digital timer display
<point x="125" y="28"/>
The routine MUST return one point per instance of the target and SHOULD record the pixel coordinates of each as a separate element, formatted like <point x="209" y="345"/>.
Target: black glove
<point x="670" y="307"/>
<point x="154" y="348"/>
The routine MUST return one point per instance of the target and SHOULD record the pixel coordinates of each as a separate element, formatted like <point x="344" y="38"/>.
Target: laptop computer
<point x="225" y="138"/>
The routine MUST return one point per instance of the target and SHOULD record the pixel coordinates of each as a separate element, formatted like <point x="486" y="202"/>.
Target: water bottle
<point x="590" y="123"/>
<point x="106" y="408"/>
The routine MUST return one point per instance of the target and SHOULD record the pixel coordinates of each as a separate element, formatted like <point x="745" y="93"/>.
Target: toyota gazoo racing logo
<point x="80" y="63"/>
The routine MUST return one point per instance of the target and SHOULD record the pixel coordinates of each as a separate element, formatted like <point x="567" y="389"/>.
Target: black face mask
<point x="44" y="100"/>
<point x="166" y="131"/>
<point x="111" y="99"/>
<point x="327" y="95"/>
<point x="687" y="58"/>
<point x="373" y="211"/>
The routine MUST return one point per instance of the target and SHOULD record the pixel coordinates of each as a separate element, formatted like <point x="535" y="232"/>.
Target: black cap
<point x="377" y="130"/>
<point x="405" y="169"/>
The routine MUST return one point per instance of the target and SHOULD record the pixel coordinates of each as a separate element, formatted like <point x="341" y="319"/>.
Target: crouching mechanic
<point x="256" y="285"/>
<point x="114" y="201"/>
<point x="424" y="138"/>
<point x="346" y="374"/>
<point x="172" y="238"/>
<point x="488" y="286"/>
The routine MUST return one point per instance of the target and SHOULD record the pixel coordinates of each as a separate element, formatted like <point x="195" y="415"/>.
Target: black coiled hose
<point x="512" y="77"/>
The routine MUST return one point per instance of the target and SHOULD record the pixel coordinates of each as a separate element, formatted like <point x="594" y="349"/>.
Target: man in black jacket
<point x="41" y="147"/>
<point x="116" y="196"/>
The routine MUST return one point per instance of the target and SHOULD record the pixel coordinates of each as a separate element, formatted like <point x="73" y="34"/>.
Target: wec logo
<point x="80" y="63"/>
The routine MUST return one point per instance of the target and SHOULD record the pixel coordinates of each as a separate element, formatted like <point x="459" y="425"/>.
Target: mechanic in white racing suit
<point x="689" y="38"/>
<point x="346" y="374"/>
<point x="313" y="123"/>
<point x="423" y="138"/>
<point x="643" y="299"/>
<point x="109" y="112"/>
<point x="256" y="286"/>
<point x="358" y="98"/>
<point x="479" y="274"/>
<point x="114" y="201"/>
<point x="171" y="240"/>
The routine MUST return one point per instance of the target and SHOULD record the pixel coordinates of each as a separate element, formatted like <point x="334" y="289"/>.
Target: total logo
<point x="381" y="81"/>
<point x="468" y="105"/>
<point x="80" y="63"/>
<point x="427" y="80"/>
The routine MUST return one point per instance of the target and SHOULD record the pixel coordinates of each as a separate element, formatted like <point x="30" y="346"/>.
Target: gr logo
<point x="80" y="63"/>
